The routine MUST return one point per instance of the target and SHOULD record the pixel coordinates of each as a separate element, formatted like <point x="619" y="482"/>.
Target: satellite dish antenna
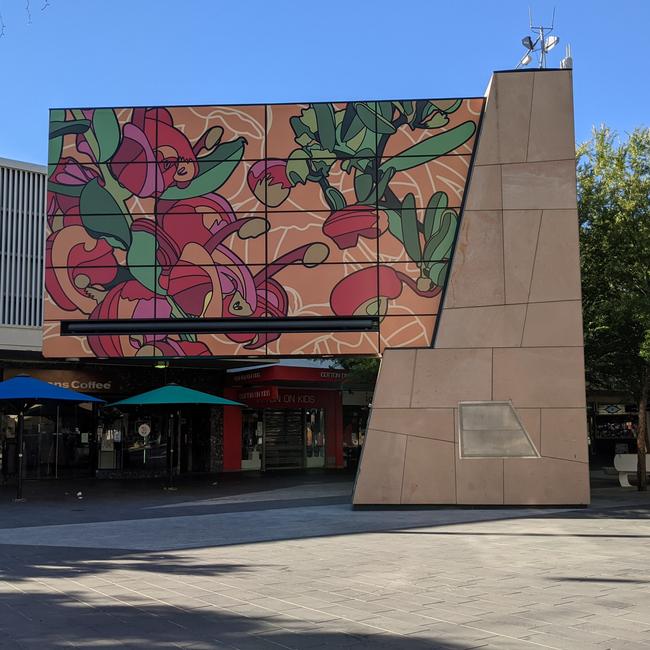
<point x="525" y="60"/>
<point x="527" y="42"/>
<point x="542" y="43"/>
<point x="551" y="42"/>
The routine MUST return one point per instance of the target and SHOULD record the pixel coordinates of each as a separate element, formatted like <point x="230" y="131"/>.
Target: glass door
<point x="314" y="437"/>
<point x="252" y="439"/>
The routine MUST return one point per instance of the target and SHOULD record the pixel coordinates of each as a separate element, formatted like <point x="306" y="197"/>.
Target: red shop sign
<point x="266" y="394"/>
<point x="284" y="397"/>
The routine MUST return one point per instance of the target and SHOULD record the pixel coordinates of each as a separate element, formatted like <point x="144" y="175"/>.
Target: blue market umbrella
<point x="23" y="391"/>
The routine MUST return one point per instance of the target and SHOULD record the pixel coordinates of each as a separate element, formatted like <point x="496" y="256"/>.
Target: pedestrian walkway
<point x="206" y="571"/>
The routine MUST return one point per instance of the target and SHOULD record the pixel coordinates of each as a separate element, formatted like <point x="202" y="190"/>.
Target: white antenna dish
<point x="525" y="60"/>
<point x="551" y="42"/>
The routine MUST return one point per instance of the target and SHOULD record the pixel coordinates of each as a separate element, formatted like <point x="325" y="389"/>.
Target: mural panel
<point x="268" y="211"/>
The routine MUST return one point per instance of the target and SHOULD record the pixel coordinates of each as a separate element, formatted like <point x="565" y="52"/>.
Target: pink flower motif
<point x="194" y="220"/>
<point x="347" y="225"/>
<point x="268" y="181"/>
<point x="73" y="174"/>
<point x="77" y="268"/>
<point x="366" y="292"/>
<point x="153" y="154"/>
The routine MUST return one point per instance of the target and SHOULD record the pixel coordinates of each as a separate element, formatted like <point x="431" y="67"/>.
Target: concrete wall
<point x="16" y="337"/>
<point x="510" y="328"/>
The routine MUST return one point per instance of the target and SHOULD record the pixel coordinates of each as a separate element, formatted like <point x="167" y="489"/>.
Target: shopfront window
<point x="146" y="444"/>
<point x="355" y="421"/>
<point x="252" y="439"/>
<point x="57" y="441"/>
<point x="133" y="442"/>
<point x="315" y="438"/>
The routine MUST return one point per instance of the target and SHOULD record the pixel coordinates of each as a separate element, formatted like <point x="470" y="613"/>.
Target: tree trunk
<point x="641" y="436"/>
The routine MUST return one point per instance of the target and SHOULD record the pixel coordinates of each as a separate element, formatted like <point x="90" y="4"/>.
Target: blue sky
<point x="146" y="52"/>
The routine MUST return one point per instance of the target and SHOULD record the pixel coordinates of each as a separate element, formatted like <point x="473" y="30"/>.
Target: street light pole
<point x="170" y="451"/>
<point x="19" y="452"/>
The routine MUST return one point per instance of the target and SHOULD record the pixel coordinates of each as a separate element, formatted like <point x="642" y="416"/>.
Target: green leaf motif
<point x="60" y="127"/>
<point x="326" y="125"/>
<point x="140" y="259"/>
<point x="438" y="272"/>
<point x="363" y="187"/>
<point x="395" y="224"/>
<point x="406" y="107"/>
<point x="298" y="167"/>
<point x="384" y="179"/>
<point x="447" y="105"/>
<point x="373" y="119"/>
<point x="102" y="216"/>
<point x="308" y="118"/>
<point x="54" y="149"/>
<point x="351" y="125"/>
<point x="438" y="247"/>
<point x="437" y="121"/>
<point x="385" y="110"/>
<point x="304" y="140"/>
<point x="431" y="148"/>
<point x="212" y="174"/>
<point x="433" y="213"/>
<point x="427" y="112"/>
<point x="55" y="145"/>
<point x="335" y="199"/>
<point x="301" y="130"/>
<point x="107" y="132"/>
<point x="410" y="228"/>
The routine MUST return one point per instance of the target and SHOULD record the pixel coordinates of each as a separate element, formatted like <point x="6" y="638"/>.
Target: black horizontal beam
<point x="220" y="325"/>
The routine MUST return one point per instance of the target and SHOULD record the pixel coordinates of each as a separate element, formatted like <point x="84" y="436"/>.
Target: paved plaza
<point x="289" y="564"/>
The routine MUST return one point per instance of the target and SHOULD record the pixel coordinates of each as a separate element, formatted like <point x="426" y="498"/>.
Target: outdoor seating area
<point x="21" y="393"/>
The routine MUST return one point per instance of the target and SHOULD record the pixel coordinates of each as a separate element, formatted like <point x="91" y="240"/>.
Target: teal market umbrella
<point x="174" y="395"/>
<point x="24" y="391"/>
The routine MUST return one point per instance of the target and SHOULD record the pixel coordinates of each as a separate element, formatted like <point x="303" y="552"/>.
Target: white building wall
<point x="23" y="197"/>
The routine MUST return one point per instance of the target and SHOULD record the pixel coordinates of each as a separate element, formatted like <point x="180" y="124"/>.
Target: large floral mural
<point x="226" y="212"/>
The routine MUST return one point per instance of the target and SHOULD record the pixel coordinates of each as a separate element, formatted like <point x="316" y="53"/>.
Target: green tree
<point x="362" y="371"/>
<point x="614" y="212"/>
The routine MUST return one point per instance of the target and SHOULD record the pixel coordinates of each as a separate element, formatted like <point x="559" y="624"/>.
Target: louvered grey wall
<point x="23" y="196"/>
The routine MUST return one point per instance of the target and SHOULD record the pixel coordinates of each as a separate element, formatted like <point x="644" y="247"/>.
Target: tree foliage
<point x="614" y="212"/>
<point x="362" y="371"/>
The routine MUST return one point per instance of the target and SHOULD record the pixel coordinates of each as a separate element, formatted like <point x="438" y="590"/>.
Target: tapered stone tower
<point x="510" y="329"/>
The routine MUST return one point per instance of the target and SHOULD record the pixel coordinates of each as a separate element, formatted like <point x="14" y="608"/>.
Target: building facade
<point x="23" y="193"/>
<point x="440" y="234"/>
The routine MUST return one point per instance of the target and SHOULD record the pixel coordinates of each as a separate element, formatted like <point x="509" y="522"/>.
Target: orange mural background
<point x="282" y="211"/>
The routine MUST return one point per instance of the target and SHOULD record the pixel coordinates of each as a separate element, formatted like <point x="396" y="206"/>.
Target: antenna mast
<point x="542" y="44"/>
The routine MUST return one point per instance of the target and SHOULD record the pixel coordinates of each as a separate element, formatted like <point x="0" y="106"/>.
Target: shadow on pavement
<point x="23" y="563"/>
<point x="103" y="615"/>
<point x="624" y="581"/>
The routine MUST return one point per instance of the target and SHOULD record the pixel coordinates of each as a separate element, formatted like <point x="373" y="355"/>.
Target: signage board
<point x="79" y="380"/>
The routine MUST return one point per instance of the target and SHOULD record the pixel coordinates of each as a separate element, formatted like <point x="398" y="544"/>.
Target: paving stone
<point x="325" y="576"/>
